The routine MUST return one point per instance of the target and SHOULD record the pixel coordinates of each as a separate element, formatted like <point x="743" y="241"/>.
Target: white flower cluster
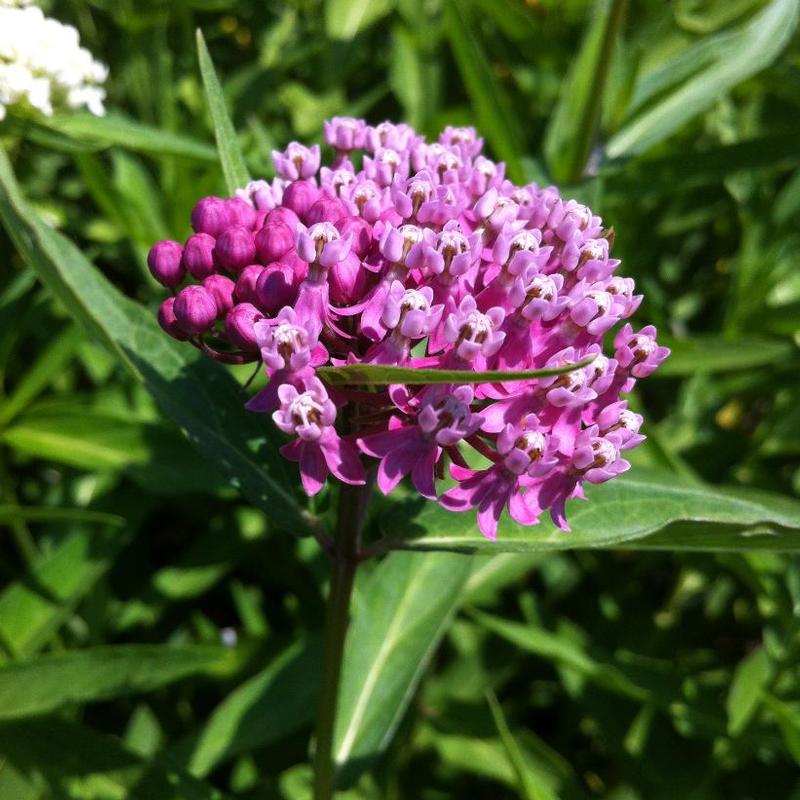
<point x="42" y="64"/>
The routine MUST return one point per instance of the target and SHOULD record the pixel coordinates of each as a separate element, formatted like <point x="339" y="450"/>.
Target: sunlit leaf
<point x="702" y="74"/>
<point x="397" y="624"/>
<point x="346" y="18"/>
<point x="643" y="510"/>
<point x="230" y="154"/>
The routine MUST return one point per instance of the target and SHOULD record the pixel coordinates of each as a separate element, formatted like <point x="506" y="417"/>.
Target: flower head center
<point x="542" y="287"/>
<point x="476" y="328"/>
<point x="305" y="410"/>
<point x="604" y="453"/>
<point x="533" y="443"/>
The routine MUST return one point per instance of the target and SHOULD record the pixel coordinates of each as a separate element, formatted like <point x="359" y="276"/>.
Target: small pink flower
<point x="297" y="162"/>
<point x="345" y="133"/>
<point x="474" y="335"/>
<point x="443" y="420"/>
<point x="309" y="415"/>
<point x="639" y="353"/>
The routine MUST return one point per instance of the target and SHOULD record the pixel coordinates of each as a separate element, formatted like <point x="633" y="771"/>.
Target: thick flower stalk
<point x="424" y="256"/>
<point x="42" y="65"/>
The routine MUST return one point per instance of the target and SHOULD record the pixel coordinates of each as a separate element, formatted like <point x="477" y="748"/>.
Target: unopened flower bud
<point x="221" y="290"/>
<point x="167" y="320"/>
<point x="239" y="323"/>
<point x="299" y="196"/>
<point x="274" y="241"/>
<point x="198" y="255"/>
<point x="359" y="231"/>
<point x="275" y="288"/>
<point x="326" y="209"/>
<point x="245" y="291"/>
<point x="284" y="215"/>
<point x="241" y="212"/>
<point x="195" y="309"/>
<point x="164" y="260"/>
<point x="235" y="248"/>
<point x="211" y="215"/>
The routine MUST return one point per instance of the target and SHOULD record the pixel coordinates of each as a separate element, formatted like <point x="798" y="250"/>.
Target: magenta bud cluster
<point x="402" y="252"/>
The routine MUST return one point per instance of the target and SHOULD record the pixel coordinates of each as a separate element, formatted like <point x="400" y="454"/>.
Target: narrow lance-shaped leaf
<point x="201" y="397"/>
<point x="51" y="514"/>
<point x="398" y="621"/>
<point x="738" y="55"/>
<point x="115" y="130"/>
<point x="531" y="787"/>
<point x="230" y="154"/>
<point x="44" y="684"/>
<point x="573" y="127"/>
<point x="269" y="706"/>
<point x="356" y="374"/>
<point x="747" y="688"/>
<point x="644" y="510"/>
<point x="31" y="610"/>
<point x="493" y="111"/>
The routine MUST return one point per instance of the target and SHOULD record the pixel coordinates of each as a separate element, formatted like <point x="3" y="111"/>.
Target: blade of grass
<point x="572" y="132"/>
<point x="230" y="154"/>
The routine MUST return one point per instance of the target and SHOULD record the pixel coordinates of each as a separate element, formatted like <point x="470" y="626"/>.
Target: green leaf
<point x="494" y="112"/>
<point x="746" y="689"/>
<point x="407" y="76"/>
<point x="32" y="609"/>
<point x="735" y="55"/>
<point x="529" y="786"/>
<point x="52" y="360"/>
<point x="487" y="758"/>
<point x="269" y="706"/>
<point x="398" y="620"/>
<point x="90" y="439"/>
<point x="346" y="18"/>
<point x="201" y="397"/>
<point x="491" y="574"/>
<point x="708" y="353"/>
<point x="710" y="165"/>
<point x="644" y="510"/>
<point x="44" y="684"/>
<point x="69" y="760"/>
<point x="563" y="652"/>
<point x="13" y="785"/>
<point x="359" y="374"/>
<point x="230" y="154"/>
<point x="573" y="125"/>
<point x="117" y="130"/>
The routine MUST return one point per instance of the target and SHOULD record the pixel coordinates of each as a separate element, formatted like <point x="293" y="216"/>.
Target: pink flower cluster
<point x="423" y="255"/>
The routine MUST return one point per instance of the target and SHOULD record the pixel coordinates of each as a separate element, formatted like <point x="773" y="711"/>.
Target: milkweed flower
<point x="42" y="65"/>
<point x="425" y="256"/>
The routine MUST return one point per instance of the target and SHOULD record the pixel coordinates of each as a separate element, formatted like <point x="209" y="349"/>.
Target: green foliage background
<point x="160" y="614"/>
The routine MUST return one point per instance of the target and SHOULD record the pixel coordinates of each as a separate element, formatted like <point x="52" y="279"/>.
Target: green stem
<point x="345" y="562"/>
